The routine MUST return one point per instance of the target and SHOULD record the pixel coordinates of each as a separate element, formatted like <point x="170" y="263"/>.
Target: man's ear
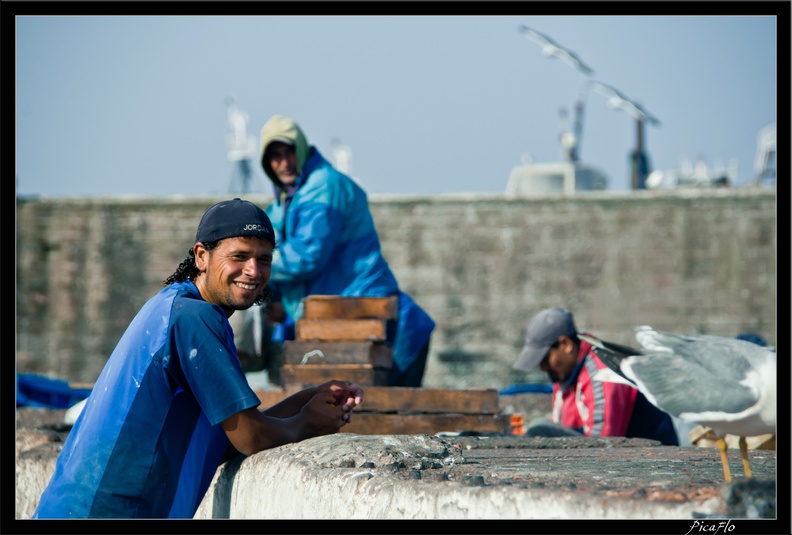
<point x="565" y="343"/>
<point x="201" y="256"/>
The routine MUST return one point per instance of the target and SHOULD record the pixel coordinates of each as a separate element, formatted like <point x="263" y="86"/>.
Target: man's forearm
<point x="291" y="405"/>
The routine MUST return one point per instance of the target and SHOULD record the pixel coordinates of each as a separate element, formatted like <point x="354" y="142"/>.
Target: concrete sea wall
<point x="687" y="261"/>
<point x="424" y="477"/>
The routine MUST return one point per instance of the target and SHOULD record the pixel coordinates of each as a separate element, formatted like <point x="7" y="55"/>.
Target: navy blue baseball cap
<point x="234" y="218"/>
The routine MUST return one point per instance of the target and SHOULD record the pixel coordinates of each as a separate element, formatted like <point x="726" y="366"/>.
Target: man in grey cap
<point x="582" y="405"/>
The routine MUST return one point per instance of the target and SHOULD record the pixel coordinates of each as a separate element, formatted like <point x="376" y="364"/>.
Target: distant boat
<point x="700" y="175"/>
<point x="688" y="175"/>
<point x="765" y="161"/>
<point x="561" y="177"/>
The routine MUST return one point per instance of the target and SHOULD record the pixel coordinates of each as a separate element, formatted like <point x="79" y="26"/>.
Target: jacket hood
<point x="285" y="130"/>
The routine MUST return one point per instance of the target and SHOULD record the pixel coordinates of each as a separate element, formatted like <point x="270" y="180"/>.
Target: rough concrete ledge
<point x="347" y="476"/>
<point x="454" y="477"/>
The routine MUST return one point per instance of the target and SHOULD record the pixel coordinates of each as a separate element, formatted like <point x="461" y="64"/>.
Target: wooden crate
<point x="338" y="307"/>
<point x="313" y="374"/>
<point x="377" y="354"/>
<point x="430" y="400"/>
<point x="406" y="411"/>
<point x="375" y="423"/>
<point x="335" y="330"/>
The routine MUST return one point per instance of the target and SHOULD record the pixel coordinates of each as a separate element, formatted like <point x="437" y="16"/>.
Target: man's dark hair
<point x="187" y="270"/>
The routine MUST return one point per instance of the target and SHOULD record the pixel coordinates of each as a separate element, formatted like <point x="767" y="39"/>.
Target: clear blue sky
<point x="428" y="104"/>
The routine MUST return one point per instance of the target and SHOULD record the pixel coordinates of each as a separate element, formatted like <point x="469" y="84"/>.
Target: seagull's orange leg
<point x="724" y="459"/>
<point x="744" y="454"/>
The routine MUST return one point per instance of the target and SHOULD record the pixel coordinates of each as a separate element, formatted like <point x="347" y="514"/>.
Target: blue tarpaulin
<point x="527" y="388"/>
<point x="33" y="390"/>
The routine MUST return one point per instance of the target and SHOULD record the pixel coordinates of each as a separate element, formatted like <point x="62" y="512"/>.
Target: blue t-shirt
<point x="148" y="440"/>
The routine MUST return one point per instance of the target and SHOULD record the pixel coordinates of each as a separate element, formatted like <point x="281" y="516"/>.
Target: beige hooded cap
<point x="285" y="130"/>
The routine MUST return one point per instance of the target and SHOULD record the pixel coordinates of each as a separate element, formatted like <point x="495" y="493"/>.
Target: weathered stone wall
<point x="685" y="261"/>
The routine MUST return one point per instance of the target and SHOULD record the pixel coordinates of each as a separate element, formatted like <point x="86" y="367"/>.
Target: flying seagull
<point x="552" y="49"/>
<point x="726" y="384"/>
<point x="617" y="100"/>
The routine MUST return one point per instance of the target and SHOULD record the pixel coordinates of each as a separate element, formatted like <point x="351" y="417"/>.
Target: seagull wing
<point x="573" y="59"/>
<point x="551" y="48"/>
<point x="612" y="355"/>
<point x="619" y="100"/>
<point x="724" y="383"/>
<point x="606" y="90"/>
<point x="535" y="36"/>
<point x="627" y="106"/>
<point x="687" y="390"/>
<point x="646" y="115"/>
<point x="607" y="375"/>
<point x="716" y="355"/>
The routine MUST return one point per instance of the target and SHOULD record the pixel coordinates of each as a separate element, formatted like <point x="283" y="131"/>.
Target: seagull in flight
<point x="617" y="100"/>
<point x="552" y="49"/>
<point x="726" y="384"/>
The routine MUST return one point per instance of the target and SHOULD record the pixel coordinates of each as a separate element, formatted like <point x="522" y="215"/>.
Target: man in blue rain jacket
<point x="328" y="244"/>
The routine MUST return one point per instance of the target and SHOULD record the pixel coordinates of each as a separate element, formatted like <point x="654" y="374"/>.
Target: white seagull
<point x="617" y="100"/>
<point x="727" y="384"/>
<point x="552" y="49"/>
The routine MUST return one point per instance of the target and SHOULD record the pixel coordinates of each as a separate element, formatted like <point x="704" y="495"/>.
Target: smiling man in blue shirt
<point x="173" y="401"/>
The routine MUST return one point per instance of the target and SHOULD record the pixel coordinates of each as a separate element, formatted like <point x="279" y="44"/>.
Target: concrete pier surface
<point x="425" y="477"/>
<point x="459" y="478"/>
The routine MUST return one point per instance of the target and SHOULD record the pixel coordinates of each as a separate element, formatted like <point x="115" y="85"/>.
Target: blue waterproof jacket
<point x="328" y="244"/>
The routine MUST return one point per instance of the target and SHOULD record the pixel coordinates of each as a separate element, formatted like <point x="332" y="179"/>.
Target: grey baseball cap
<point x="542" y="332"/>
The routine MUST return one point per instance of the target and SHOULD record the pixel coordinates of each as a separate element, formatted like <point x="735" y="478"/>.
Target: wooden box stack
<point x="406" y="411"/>
<point x="344" y="338"/>
<point x="340" y="338"/>
<point x="390" y="410"/>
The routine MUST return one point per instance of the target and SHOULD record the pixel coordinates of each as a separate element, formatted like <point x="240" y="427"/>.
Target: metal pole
<point x="639" y="161"/>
